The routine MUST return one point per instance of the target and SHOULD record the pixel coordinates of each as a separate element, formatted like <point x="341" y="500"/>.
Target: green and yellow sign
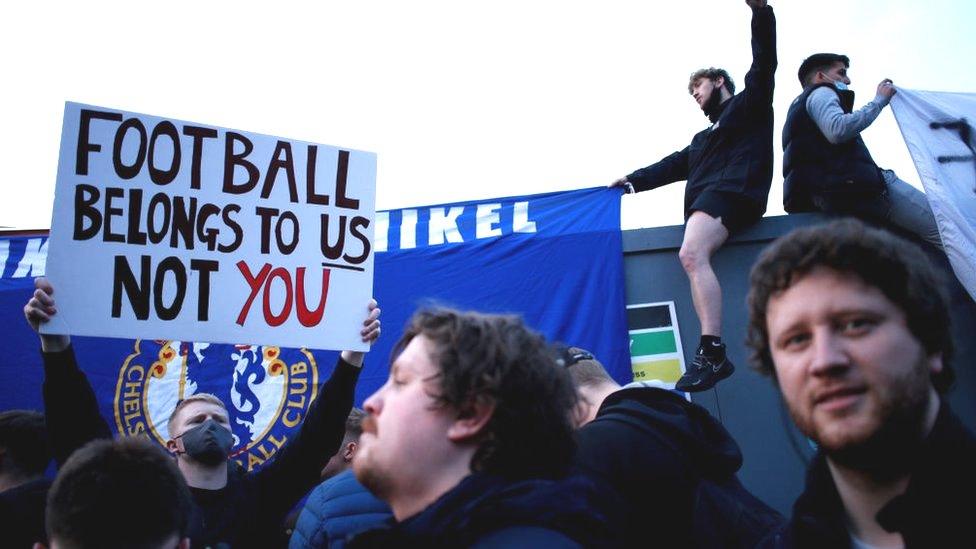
<point x="655" y="343"/>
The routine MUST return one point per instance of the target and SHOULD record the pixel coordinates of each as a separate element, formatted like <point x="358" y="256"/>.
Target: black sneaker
<point x="705" y="372"/>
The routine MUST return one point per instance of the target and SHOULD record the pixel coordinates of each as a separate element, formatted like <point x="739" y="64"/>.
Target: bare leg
<point x="704" y="234"/>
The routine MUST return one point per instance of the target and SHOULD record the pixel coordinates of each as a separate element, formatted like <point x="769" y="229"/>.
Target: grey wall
<point x="748" y="404"/>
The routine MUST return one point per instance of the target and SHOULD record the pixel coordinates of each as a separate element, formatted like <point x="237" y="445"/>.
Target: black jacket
<point x="249" y="511"/>
<point x="822" y="176"/>
<point x="736" y="154"/>
<point x="931" y="513"/>
<point x="664" y="455"/>
<point x="22" y="514"/>
<point x="486" y="510"/>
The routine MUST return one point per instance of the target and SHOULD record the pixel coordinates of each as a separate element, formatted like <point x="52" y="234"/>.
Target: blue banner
<point x="556" y="259"/>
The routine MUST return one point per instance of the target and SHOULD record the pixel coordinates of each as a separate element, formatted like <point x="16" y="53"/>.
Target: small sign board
<point x="655" y="342"/>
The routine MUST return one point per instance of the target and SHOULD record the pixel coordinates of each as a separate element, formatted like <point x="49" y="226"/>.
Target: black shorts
<point x="736" y="211"/>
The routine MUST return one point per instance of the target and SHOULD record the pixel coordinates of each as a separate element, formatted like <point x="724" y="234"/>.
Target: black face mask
<point x="208" y="443"/>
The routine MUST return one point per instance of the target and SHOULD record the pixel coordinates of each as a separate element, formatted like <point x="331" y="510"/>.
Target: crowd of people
<point x="487" y="435"/>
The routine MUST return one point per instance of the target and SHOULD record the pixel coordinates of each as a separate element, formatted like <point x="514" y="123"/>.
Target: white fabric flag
<point x="940" y="131"/>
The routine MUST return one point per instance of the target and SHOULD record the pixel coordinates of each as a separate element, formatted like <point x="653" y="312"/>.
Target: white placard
<point x="166" y="229"/>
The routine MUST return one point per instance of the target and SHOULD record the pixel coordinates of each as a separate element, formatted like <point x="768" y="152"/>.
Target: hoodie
<point x="487" y="511"/>
<point x="671" y="461"/>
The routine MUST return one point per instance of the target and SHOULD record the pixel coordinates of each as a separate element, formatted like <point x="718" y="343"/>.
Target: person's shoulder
<point x="700" y="135"/>
<point x="329" y="490"/>
<point x="345" y="483"/>
<point x="821" y="92"/>
<point x="25" y="499"/>
<point x="342" y="482"/>
<point x="642" y="400"/>
<point x="344" y="495"/>
<point x="952" y="439"/>
<point x="488" y="510"/>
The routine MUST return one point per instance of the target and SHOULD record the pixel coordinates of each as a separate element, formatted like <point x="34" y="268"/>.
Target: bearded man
<point x="853" y="325"/>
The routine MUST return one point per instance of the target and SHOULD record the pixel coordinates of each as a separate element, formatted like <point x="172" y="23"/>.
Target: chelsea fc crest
<point x="267" y="391"/>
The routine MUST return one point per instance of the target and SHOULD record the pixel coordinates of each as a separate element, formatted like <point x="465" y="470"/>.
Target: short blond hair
<point x="198" y="397"/>
<point x="587" y="372"/>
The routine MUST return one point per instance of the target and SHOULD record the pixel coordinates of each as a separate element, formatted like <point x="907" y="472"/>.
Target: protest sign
<point x="166" y="229"/>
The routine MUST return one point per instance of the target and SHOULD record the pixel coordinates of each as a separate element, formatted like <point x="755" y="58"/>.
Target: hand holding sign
<point x="370" y="333"/>
<point x="39" y="310"/>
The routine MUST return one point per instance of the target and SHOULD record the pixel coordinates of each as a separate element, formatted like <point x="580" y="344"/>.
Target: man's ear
<point x="173" y="446"/>
<point x="719" y="82"/>
<point x="184" y="544"/>
<point x="471" y="419"/>
<point x="349" y="451"/>
<point x="935" y="363"/>
<point x="39" y="545"/>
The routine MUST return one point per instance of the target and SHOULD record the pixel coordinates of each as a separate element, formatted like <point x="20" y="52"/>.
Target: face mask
<point x="208" y="443"/>
<point x="839" y="84"/>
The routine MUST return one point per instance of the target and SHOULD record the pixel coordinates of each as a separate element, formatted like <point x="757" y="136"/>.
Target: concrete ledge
<point x="669" y="238"/>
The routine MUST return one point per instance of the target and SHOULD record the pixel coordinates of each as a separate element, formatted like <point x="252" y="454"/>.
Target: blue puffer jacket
<point x="336" y="508"/>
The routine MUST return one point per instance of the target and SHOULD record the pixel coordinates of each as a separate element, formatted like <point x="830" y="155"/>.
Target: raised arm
<point x="295" y="469"/>
<point x="70" y="406"/>
<point x="759" y="80"/>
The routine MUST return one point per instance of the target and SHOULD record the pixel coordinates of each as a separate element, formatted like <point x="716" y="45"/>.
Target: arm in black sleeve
<point x="70" y="406"/>
<point x="669" y="169"/>
<point x="295" y="469"/>
<point x="759" y="80"/>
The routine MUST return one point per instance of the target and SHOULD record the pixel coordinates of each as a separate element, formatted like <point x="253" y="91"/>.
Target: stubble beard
<point x="371" y="476"/>
<point x="890" y="449"/>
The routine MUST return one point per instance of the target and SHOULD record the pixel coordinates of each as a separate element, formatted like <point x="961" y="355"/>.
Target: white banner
<point x="164" y="229"/>
<point x="940" y="131"/>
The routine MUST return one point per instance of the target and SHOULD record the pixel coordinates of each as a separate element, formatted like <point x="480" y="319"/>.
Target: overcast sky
<point x="460" y="100"/>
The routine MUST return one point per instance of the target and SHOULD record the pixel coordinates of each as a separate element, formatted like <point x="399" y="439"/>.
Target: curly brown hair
<point x="899" y="269"/>
<point x="496" y="357"/>
<point x="712" y="74"/>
